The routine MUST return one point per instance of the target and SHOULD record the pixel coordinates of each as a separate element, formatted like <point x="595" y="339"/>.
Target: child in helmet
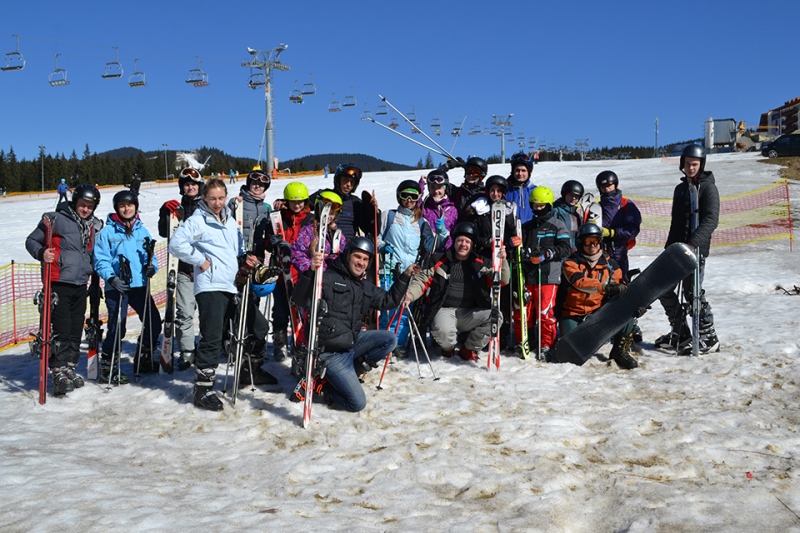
<point x="545" y="244"/>
<point x="474" y="171"/>
<point x="568" y="209"/>
<point x="75" y="230"/>
<point x="303" y="245"/>
<point x="251" y="199"/>
<point x="438" y="209"/>
<point x="478" y="211"/>
<point x="356" y="216"/>
<point x="621" y="219"/>
<point x="121" y="259"/>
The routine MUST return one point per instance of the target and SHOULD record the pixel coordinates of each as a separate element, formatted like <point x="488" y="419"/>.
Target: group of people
<point x="429" y="260"/>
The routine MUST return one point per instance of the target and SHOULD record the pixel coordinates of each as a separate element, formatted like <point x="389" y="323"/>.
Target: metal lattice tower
<point x="502" y="123"/>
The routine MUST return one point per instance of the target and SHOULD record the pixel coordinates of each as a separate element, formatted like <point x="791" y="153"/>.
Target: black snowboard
<point x="674" y="264"/>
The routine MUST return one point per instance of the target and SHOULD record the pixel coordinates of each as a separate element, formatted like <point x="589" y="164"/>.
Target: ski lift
<point x="257" y="78"/>
<point x="393" y="124"/>
<point x="137" y="78"/>
<point x="197" y="77"/>
<point x="436" y="123"/>
<point x="349" y="101"/>
<point x="309" y="88"/>
<point x="14" y="60"/>
<point x="113" y="69"/>
<point x="415" y="128"/>
<point x="475" y="129"/>
<point x="437" y="131"/>
<point x="334" y="107"/>
<point x="366" y="114"/>
<point x="296" y="96"/>
<point x="58" y="77"/>
<point x="381" y="110"/>
<point x="456" y="129"/>
<point x="412" y="117"/>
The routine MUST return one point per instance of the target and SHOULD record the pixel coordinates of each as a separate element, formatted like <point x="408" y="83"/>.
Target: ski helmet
<point x="125" y="197"/>
<point x="408" y="186"/>
<point x="521" y="159"/>
<point x="438" y="176"/>
<point x="693" y="150"/>
<point x="606" y="178"/>
<point x="263" y="280"/>
<point x="499" y="181"/>
<point x="361" y="244"/>
<point x="589" y="230"/>
<point x="258" y="176"/>
<point x="330" y="197"/>
<point x="466" y="229"/>
<point x="63" y="180"/>
<point x="190" y="175"/>
<point x="295" y="192"/>
<point x="541" y="195"/>
<point x="476" y="163"/>
<point x="87" y="192"/>
<point x="262" y="290"/>
<point x="350" y="171"/>
<point x="572" y="186"/>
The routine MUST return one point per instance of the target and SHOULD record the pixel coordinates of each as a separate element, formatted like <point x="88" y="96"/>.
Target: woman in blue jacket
<point x="121" y="259"/>
<point x="210" y="241"/>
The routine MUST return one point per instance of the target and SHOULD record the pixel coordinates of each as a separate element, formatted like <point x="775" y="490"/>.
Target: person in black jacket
<point x="692" y="164"/>
<point x="347" y="296"/>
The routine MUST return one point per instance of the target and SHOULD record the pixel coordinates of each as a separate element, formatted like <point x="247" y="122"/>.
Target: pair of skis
<point x="168" y="332"/>
<point x="45" y="301"/>
<point x="498" y="215"/>
<point x="525" y="350"/>
<point x="285" y="255"/>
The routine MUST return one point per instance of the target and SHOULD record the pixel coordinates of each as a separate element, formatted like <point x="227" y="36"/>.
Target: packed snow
<point x="679" y="444"/>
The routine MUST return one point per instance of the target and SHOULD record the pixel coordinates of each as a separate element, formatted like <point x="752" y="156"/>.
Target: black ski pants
<point x="670" y="300"/>
<point x="67" y="318"/>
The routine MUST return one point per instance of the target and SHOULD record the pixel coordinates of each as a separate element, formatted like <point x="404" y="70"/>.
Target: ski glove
<point x="119" y="285"/>
<point x="150" y="271"/>
<point x="615" y="289"/>
<point x="454" y="163"/>
<point x="275" y="241"/>
<point x="608" y="232"/>
<point x="537" y="257"/>
<point x="441" y="228"/>
<point x="386" y="249"/>
<point x="173" y="206"/>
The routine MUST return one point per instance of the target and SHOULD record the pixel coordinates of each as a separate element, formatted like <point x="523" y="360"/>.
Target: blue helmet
<point x="261" y="290"/>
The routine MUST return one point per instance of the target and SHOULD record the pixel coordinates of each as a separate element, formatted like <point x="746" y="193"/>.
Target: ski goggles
<point x="474" y="172"/>
<point x="436" y="179"/>
<point x="191" y="174"/>
<point x="520" y="158"/>
<point x="259" y="177"/>
<point x="408" y="195"/>
<point x="348" y="171"/>
<point x="335" y="208"/>
<point x="591" y="241"/>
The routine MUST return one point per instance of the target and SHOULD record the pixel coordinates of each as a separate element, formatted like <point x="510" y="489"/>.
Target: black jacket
<point x="187" y="207"/>
<point x="708" y="204"/>
<point x="347" y="301"/>
<point x="545" y="235"/>
<point x="483" y="223"/>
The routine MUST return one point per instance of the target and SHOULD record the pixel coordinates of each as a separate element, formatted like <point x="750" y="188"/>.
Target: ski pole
<point x="404" y="136"/>
<point x="415" y="329"/>
<point x="396" y="329"/>
<point x="416" y="128"/>
<point x="416" y="355"/>
<point x="539" y="314"/>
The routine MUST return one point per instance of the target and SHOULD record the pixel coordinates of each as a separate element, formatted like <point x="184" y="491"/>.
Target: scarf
<point x="593" y="258"/>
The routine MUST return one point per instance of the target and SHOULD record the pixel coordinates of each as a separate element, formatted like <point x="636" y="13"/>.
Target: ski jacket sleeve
<point x="391" y="299"/>
<point x="709" y="205"/>
<point x="180" y="245"/>
<point x="420" y="283"/>
<point x="301" y="295"/>
<point x="300" y="258"/>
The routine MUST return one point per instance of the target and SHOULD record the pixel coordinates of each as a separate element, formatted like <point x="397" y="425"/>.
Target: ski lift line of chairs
<point x="13" y="60"/>
<point x="257" y="78"/>
<point x="137" y="78"/>
<point x="366" y="114"/>
<point x="197" y="77"/>
<point x="296" y="96"/>
<point x="309" y="88"/>
<point x="58" y="77"/>
<point x="113" y="69"/>
<point x="334" y="107"/>
<point x="382" y="110"/>
<point x="349" y="101"/>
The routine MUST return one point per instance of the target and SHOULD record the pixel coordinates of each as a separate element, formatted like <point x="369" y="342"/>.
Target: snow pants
<point x="670" y="300"/>
<point x="118" y="303"/>
<point x="67" y="318"/>
<point x="546" y="316"/>
<point x="185" y="305"/>
<point x="450" y="321"/>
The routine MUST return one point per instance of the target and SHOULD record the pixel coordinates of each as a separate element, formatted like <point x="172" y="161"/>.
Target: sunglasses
<point x="409" y="195"/>
<point x="191" y="174"/>
<point x="591" y="241"/>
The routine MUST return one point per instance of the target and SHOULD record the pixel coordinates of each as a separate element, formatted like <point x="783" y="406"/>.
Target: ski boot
<point x="185" y="360"/>
<point x="467" y="355"/>
<point x="299" y="360"/>
<point x="321" y="393"/>
<point x="621" y="351"/>
<point x="62" y="383"/>
<point x="145" y="364"/>
<point x="77" y="379"/>
<point x="280" y="351"/>
<point x="204" y="395"/>
<point x="109" y="372"/>
<point x="677" y="338"/>
<point x="259" y="375"/>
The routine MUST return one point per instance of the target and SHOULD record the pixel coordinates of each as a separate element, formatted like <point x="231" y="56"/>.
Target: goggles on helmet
<point x="520" y="158"/>
<point x="437" y="179"/>
<point x="259" y="177"/>
<point x="335" y="208"/>
<point x="191" y="174"/>
<point x="349" y="171"/>
<point x="474" y="172"/>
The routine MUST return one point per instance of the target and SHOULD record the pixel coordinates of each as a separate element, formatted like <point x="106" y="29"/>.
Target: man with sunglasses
<point x="190" y="185"/>
<point x="474" y="171"/>
<point x="520" y="185"/>
<point x="590" y="278"/>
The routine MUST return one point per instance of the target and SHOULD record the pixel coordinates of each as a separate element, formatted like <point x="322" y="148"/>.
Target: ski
<point x="285" y="256"/>
<point x="521" y="300"/>
<point x="93" y="328"/>
<point x="694" y="222"/>
<point x="313" y="323"/>
<point x="168" y="332"/>
<point x="498" y="223"/>
<point x="239" y="335"/>
<point x="149" y="250"/>
<point x="45" y="303"/>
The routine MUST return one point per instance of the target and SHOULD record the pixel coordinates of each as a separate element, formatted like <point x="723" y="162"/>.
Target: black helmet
<point x="87" y="192"/>
<point x="190" y="175"/>
<point x="477" y="162"/>
<point x="521" y="159"/>
<point x="349" y="170"/>
<point x="362" y="244"/>
<point x="500" y="181"/>
<point x="259" y="176"/>
<point x="572" y="186"/>
<point x="606" y="178"/>
<point x="467" y="229"/>
<point x="438" y="176"/>
<point x="693" y="150"/>
<point x="408" y="185"/>
<point x="125" y="197"/>
<point x="589" y="230"/>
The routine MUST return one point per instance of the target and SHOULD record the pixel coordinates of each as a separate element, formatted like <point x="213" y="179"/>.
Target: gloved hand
<point x="387" y="249"/>
<point x="150" y="271"/>
<point x="608" y="232"/>
<point x="540" y="257"/>
<point x="173" y="206"/>
<point x="615" y="289"/>
<point x="516" y="240"/>
<point x="119" y="285"/>
<point x="275" y="241"/>
<point x="455" y="163"/>
<point x="441" y="228"/>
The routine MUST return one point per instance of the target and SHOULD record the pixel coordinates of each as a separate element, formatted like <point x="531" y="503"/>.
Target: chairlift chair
<point x="436" y="123"/>
<point x="137" y="78"/>
<point x="58" y="77"/>
<point x="366" y="114"/>
<point x="349" y="101"/>
<point x="113" y="69"/>
<point x="382" y="110"/>
<point x="257" y="78"/>
<point x="456" y="129"/>
<point x="309" y="88"/>
<point x="13" y="60"/>
<point x="197" y="77"/>
<point x="296" y="96"/>
<point x="437" y="131"/>
<point x="475" y="129"/>
<point x="412" y="117"/>
<point x="394" y="124"/>
<point x="334" y="107"/>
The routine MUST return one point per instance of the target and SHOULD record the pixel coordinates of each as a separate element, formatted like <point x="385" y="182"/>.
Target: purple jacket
<point x="301" y="255"/>
<point x="432" y="210"/>
<point x="625" y="221"/>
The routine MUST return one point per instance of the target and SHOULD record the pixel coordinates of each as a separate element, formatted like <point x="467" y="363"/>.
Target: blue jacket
<point x="520" y="195"/>
<point x="404" y="236"/>
<point x="112" y="241"/>
<point x="202" y="236"/>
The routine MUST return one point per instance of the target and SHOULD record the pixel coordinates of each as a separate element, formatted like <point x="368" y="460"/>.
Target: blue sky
<point x="567" y="70"/>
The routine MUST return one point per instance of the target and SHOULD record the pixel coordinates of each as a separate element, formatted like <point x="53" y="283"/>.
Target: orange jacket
<point x="584" y="286"/>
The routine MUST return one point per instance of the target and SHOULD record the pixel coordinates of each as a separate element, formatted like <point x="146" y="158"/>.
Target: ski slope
<point x="679" y="444"/>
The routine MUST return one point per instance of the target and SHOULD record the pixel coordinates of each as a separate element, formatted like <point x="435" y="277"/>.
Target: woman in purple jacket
<point x="438" y="209"/>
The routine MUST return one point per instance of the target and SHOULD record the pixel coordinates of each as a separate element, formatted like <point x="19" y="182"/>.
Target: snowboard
<point x="669" y="268"/>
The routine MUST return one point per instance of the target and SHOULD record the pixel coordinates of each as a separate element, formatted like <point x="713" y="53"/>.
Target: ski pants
<point x="215" y="307"/>
<point x="449" y="321"/>
<point x="136" y="299"/>
<point x="67" y="318"/>
<point x="280" y="308"/>
<point x="345" y="388"/>
<point x="185" y="305"/>
<point x="672" y="305"/>
<point x="546" y="315"/>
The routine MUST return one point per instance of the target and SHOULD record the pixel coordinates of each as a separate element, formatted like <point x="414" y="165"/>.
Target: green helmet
<point x="542" y="195"/>
<point x="295" y="192"/>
